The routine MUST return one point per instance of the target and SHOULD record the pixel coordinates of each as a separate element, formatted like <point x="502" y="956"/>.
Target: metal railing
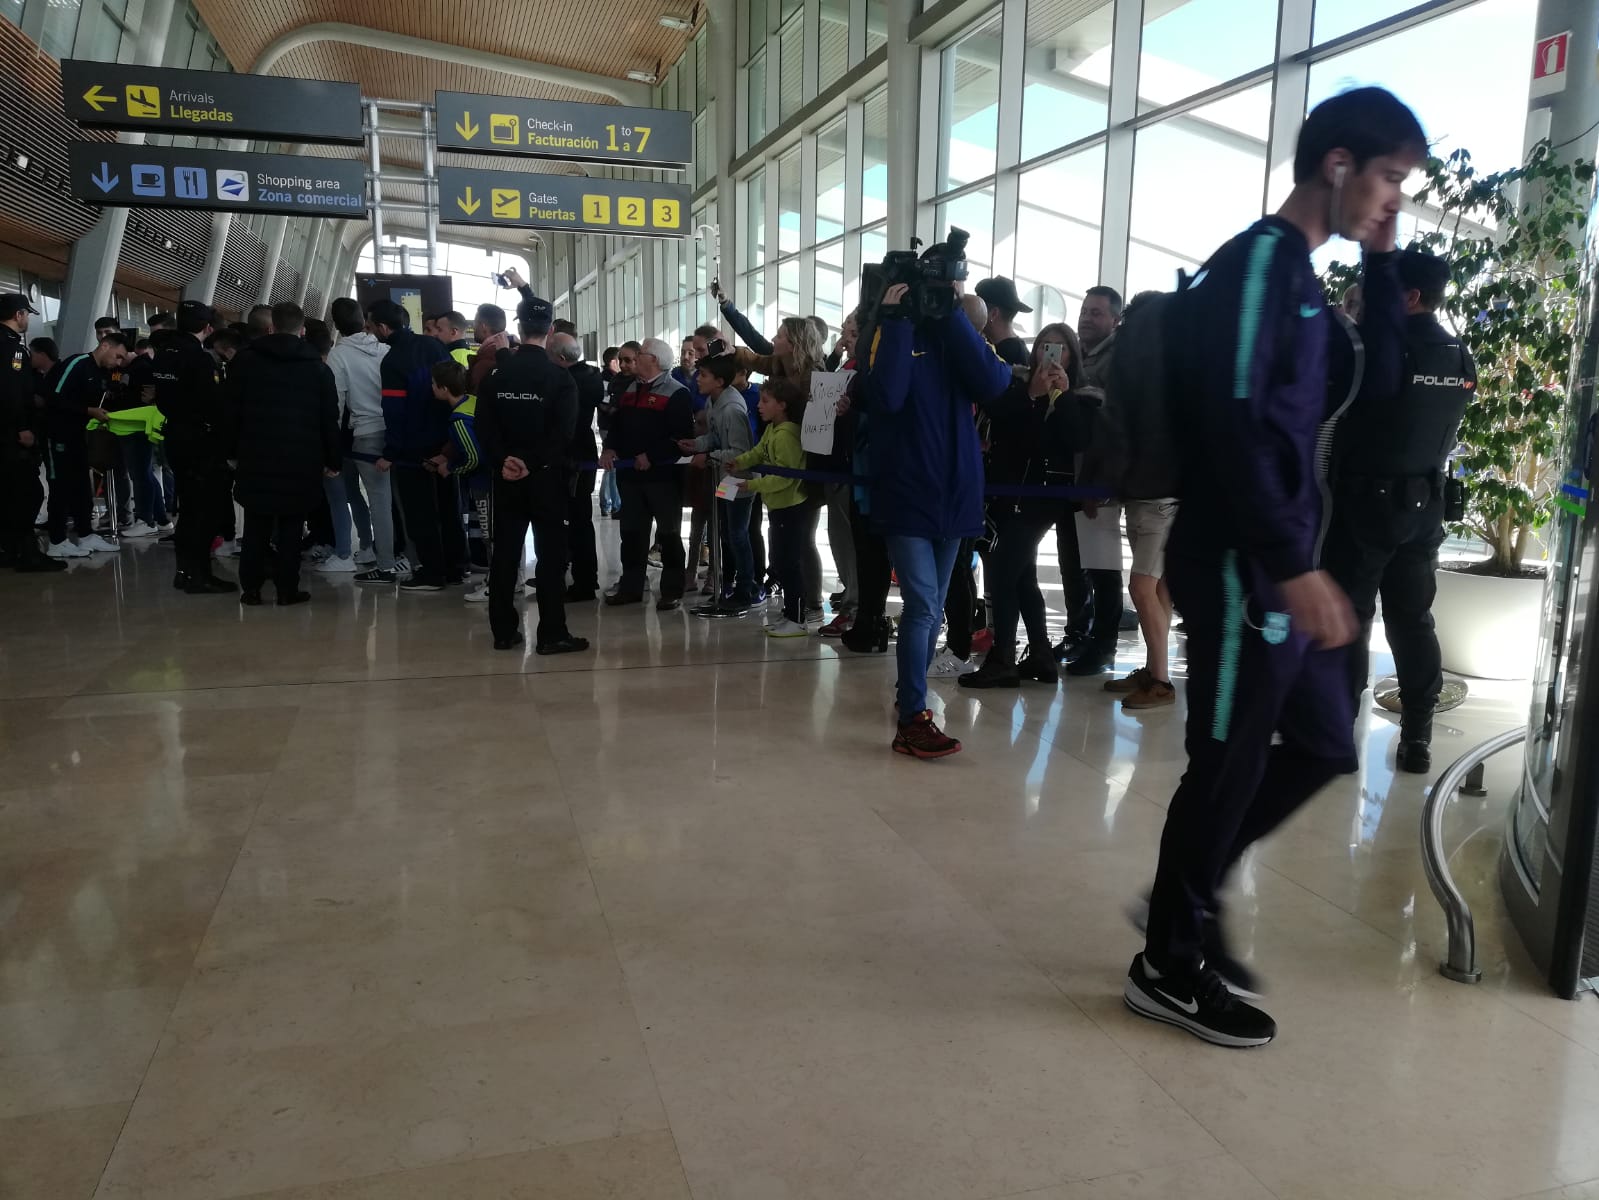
<point x="1461" y="963"/>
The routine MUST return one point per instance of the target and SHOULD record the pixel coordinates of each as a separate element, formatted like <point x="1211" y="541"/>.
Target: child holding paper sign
<point x="727" y="437"/>
<point x="782" y="407"/>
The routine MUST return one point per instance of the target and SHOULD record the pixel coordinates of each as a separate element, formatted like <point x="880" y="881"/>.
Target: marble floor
<point x="336" y="902"/>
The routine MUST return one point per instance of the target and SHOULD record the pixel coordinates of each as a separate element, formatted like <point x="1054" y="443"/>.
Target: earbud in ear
<point x="1338" y="175"/>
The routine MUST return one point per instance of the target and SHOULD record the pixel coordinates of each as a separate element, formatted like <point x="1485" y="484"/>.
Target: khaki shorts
<point x="1148" y="526"/>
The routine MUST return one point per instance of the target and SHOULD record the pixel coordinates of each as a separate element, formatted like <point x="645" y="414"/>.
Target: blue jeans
<point x="339" y="510"/>
<point x="610" y="495"/>
<point x="738" y="573"/>
<point x="149" y="505"/>
<point x="923" y="566"/>
<point x="359" y="512"/>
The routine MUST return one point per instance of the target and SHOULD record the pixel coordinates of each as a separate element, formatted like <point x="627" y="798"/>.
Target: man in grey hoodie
<point x="727" y="437"/>
<point x="354" y="360"/>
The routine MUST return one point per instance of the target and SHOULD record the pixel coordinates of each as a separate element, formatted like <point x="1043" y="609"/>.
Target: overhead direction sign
<point x="610" y="133"/>
<point x="118" y="175"/>
<point x="517" y="199"/>
<point x="218" y="103"/>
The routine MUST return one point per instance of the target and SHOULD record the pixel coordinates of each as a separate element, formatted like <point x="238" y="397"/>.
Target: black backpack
<point x="1135" y="431"/>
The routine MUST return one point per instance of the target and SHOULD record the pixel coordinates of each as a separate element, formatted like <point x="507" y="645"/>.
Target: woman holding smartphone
<point x="1034" y="437"/>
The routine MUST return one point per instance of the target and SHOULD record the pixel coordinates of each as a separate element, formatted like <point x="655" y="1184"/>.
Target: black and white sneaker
<point x="1240" y="979"/>
<point x="1198" y="1003"/>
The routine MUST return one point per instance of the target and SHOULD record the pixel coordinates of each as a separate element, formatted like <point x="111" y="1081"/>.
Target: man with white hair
<point x="567" y="352"/>
<point x="652" y="416"/>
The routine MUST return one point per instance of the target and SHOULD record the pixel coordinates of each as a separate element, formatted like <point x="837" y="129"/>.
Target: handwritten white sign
<point x="827" y="389"/>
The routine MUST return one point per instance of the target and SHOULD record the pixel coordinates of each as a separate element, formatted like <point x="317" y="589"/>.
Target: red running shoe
<point x="838" y="626"/>
<point x="982" y="641"/>
<point x="923" y="739"/>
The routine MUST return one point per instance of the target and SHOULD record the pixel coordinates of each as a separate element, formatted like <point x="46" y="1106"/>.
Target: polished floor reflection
<point x="337" y="902"/>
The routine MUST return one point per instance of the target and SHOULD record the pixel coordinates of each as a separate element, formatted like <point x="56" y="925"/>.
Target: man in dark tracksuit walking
<point x="652" y="416"/>
<point x="525" y="417"/>
<point x="188" y="391"/>
<point x="1388" y="514"/>
<point x="1266" y="627"/>
<point x="21" y="431"/>
<point x="566" y="352"/>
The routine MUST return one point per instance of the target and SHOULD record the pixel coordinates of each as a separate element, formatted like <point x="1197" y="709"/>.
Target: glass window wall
<point x="968" y="115"/>
<point x="1193" y="46"/>
<point x="1067" y="91"/>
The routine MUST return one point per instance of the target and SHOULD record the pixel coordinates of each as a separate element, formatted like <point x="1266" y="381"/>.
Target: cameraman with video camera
<point x="926" y="367"/>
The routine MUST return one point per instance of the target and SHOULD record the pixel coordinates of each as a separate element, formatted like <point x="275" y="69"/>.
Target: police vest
<point x="1414" y="434"/>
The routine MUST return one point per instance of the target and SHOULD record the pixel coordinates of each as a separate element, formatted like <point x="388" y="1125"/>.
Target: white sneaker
<point x="140" y="530"/>
<point x="402" y="565"/>
<point x="334" y="565"/>
<point x="948" y="666"/>
<point x="66" y="549"/>
<point x="478" y="595"/>
<point x="96" y="544"/>
<point x="366" y="558"/>
<point x="166" y="527"/>
<point x="787" y="629"/>
<point x="228" y="549"/>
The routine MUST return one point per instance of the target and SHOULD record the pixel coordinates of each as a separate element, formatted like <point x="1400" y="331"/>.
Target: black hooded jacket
<point x="283" y="411"/>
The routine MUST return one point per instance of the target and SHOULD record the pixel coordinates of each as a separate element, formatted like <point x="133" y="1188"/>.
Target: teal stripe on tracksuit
<point x="1252" y="305"/>
<point x="1232" y="639"/>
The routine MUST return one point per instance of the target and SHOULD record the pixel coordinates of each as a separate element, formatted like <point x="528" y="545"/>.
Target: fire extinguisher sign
<point x="1550" y="58"/>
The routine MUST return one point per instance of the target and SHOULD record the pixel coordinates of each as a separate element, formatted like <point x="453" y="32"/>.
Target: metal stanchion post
<point x="714" y="607"/>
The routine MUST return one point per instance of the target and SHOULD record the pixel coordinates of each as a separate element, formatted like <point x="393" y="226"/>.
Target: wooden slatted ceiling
<point x="391" y="76"/>
<point x="609" y="37"/>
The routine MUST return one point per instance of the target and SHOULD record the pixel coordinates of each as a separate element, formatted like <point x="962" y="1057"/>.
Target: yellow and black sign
<point x="657" y="137"/>
<point x="520" y="200"/>
<point x="218" y="103"/>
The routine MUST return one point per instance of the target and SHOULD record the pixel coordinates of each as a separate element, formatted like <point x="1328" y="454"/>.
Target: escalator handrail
<point x="1461" y="963"/>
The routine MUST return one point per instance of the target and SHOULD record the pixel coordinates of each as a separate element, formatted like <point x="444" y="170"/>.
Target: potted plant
<point x="1512" y="240"/>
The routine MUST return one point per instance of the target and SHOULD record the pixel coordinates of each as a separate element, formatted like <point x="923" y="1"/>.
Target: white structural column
<point x="312" y="245"/>
<point x="904" y="116"/>
<point x="276" y="229"/>
<point x="203" y="286"/>
<point x="722" y="44"/>
<point x="1007" y="183"/>
<point x="1116" y="221"/>
<point x="1570" y="117"/>
<point x="1290" y="87"/>
<point x="92" y="264"/>
<point x="324" y="279"/>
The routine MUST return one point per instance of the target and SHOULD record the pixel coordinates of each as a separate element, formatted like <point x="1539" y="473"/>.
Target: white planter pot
<point x="1488" y="626"/>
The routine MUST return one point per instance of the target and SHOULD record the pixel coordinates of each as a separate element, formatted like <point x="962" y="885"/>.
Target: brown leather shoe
<point x="1154" y="694"/>
<point x="1129" y="684"/>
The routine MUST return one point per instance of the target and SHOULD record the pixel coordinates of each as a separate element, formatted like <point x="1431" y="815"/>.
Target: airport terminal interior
<point x="338" y="903"/>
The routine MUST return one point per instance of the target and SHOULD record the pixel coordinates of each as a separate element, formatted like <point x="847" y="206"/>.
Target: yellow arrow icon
<point x="465" y="128"/>
<point x="96" y="99"/>
<point x="469" y="206"/>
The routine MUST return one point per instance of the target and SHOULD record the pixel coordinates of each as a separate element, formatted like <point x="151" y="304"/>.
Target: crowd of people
<point x="1278" y="468"/>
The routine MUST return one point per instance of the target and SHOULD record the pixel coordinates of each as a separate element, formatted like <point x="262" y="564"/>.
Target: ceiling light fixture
<point x="166" y="243"/>
<point x="668" y="21"/>
<point x="20" y="159"/>
<point x="642" y="76"/>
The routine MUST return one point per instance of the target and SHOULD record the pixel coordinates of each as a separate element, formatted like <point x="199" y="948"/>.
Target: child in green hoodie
<point x="782" y="407"/>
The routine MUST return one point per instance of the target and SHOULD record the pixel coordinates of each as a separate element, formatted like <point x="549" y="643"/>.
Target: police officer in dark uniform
<point x="21" y="441"/>
<point x="1388" y="512"/>
<point x="567" y="352"/>
<point x="187" y="383"/>
<point x="526" y="419"/>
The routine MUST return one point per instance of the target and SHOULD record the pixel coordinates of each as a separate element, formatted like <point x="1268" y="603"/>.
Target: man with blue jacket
<point x="416" y="429"/>
<point x="927" y="367"/>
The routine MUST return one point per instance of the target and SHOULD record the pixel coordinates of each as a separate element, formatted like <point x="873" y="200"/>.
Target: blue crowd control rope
<point x="1024" y="491"/>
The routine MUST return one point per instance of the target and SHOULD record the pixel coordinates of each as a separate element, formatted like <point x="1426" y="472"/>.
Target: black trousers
<point x="810" y="556"/>
<point x="541" y="501"/>
<point x="71" y="488"/>
<point x="1093" y="597"/>
<point x="283" y="535"/>
<point x="1381" y="544"/>
<point x="757" y="542"/>
<point x="432" y="507"/>
<point x="645" y="502"/>
<point x="202" y="478"/>
<point x="1013" y="578"/>
<point x="960" y="602"/>
<point x="1269" y="724"/>
<point x="872" y="567"/>
<point x="789" y="529"/>
<point x="580" y="534"/>
<point x="20" y="495"/>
